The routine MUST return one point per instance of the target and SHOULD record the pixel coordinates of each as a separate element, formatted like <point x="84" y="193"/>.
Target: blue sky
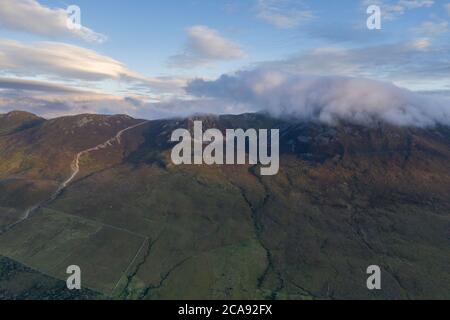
<point x="149" y="51"/>
<point x="143" y="34"/>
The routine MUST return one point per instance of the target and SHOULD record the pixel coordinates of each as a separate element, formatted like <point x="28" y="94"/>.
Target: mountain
<point x="16" y="121"/>
<point x="346" y="197"/>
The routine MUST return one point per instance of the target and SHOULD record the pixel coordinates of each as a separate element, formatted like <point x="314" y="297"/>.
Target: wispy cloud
<point x="447" y="7"/>
<point x="70" y="63"/>
<point x="416" y="64"/>
<point x="414" y="4"/>
<point x="432" y="28"/>
<point x="32" y="17"/>
<point x="392" y="10"/>
<point x="35" y="86"/>
<point x="204" y="46"/>
<point x="283" y="14"/>
<point x="51" y="99"/>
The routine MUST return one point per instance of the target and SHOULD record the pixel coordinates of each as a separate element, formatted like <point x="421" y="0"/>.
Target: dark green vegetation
<point x="346" y="197"/>
<point x="18" y="282"/>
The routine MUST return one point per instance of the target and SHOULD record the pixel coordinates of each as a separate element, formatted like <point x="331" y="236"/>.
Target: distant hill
<point x="346" y="197"/>
<point x="17" y="120"/>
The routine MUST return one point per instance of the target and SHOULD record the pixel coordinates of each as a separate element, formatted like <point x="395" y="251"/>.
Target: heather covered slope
<point x="346" y="197"/>
<point x="35" y="156"/>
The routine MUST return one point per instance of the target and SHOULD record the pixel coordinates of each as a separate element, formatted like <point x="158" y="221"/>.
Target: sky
<point x="148" y="58"/>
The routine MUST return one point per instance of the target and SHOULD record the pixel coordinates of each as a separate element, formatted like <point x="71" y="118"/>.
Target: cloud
<point x="72" y="63"/>
<point x="35" y="86"/>
<point x="205" y="45"/>
<point x="325" y="99"/>
<point x="414" y="4"/>
<point x="54" y="106"/>
<point x="60" y="59"/>
<point x="32" y="17"/>
<point x="413" y="64"/>
<point x="176" y="108"/>
<point x="51" y="99"/>
<point x="356" y="33"/>
<point x="447" y="7"/>
<point x="283" y="94"/>
<point x="284" y="14"/>
<point x="432" y="28"/>
<point x="392" y="11"/>
<point x="54" y="79"/>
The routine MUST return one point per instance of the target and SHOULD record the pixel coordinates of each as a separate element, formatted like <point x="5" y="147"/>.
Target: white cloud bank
<point x="32" y="17"/>
<point x="324" y="99"/>
<point x="205" y="45"/>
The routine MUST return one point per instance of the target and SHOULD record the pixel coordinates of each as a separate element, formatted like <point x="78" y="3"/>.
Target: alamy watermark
<point x="213" y="148"/>
<point x="74" y="280"/>
<point x="374" y="19"/>
<point x="73" y="20"/>
<point x="374" y="280"/>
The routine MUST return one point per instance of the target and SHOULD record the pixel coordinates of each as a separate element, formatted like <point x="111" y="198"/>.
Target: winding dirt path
<point x="76" y="162"/>
<point x="75" y="166"/>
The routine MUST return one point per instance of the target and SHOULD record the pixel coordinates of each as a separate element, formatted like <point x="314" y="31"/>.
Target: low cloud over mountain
<point x="325" y="99"/>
